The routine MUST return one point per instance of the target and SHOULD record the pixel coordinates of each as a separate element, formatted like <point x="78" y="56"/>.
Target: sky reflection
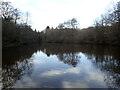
<point x="48" y="69"/>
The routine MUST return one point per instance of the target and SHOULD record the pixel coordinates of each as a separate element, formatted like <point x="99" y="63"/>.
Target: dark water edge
<point x="17" y="61"/>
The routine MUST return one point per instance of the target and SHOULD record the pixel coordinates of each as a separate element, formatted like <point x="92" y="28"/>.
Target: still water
<point x="61" y="66"/>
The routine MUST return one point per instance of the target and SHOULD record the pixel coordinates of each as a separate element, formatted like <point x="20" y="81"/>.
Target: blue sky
<point x="53" y="12"/>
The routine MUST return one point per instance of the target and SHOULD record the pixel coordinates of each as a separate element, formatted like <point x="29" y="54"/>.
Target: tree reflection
<point x="109" y="64"/>
<point x="69" y="58"/>
<point x="17" y="62"/>
<point x="13" y="73"/>
<point x="68" y="54"/>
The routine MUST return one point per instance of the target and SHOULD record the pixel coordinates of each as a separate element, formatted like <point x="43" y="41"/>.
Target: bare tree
<point x="8" y="12"/>
<point x="69" y="24"/>
<point x="27" y="17"/>
<point x="112" y="16"/>
<point x="117" y="11"/>
<point x="61" y="26"/>
<point x="16" y="15"/>
<point x="74" y="23"/>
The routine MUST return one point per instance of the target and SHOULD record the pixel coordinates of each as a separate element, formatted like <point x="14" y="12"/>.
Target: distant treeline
<point x="15" y="28"/>
<point x="92" y="35"/>
<point x="106" y="30"/>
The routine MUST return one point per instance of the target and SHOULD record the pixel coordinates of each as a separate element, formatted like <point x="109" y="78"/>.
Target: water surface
<point x="61" y="66"/>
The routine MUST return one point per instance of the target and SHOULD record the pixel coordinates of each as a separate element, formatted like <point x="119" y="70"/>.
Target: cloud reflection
<point x="26" y="83"/>
<point x="38" y="61"/>
<point x="88" y="79"/>
<point x="60" y="72"/>
<point x="77" y="84"/>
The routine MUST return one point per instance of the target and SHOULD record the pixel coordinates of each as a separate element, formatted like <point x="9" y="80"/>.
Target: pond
<point x="61" y="66"/>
